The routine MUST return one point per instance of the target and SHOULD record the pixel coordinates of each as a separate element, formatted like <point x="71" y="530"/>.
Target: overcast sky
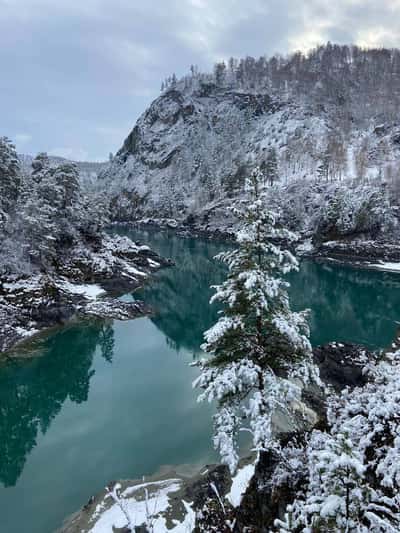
<point x="76" y="74"/>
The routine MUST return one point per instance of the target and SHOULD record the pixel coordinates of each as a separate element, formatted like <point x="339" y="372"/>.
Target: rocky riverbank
<point x="374" y="254"/>
<point x="353" y="251"/>
<point x="86" y="283"/>
<point x="212" y="499"/>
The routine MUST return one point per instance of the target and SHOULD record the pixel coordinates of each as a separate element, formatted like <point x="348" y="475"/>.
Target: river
<point x="98" y="401"/>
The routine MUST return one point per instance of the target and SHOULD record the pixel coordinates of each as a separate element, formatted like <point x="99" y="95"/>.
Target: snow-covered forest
<point x="43" y="213"/>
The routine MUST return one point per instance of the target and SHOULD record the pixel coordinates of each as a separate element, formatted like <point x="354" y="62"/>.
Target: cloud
<point x="72" y="72"/>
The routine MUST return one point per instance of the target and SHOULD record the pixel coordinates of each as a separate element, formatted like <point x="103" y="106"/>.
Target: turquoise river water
<point x="106" y="400"/>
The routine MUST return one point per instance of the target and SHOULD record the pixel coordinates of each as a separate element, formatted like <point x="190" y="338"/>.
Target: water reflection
<point x="32" y="392"/>
<point x="348" y="304"/>
<point x="181" y="295"/>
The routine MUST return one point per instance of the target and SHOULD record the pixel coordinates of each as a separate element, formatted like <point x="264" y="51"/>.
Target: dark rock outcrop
<point x="341" y="365"/>
<point x="266" y="498"/>
<point x="359" y="251"/>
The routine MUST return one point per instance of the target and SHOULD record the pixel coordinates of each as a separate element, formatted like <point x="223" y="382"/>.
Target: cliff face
<point x="175" y="116"/>
<point x="190" y="149"/>
<point x="326" y="122"/>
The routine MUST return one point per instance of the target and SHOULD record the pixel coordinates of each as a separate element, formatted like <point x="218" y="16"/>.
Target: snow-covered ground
<point x="143" y="504"/>
<point x="89" y="291"/>
<point x="240" y="482"/>
<point x="29" y="304"/>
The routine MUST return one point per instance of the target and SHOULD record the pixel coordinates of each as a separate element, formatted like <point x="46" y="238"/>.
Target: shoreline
<point x="383" y="256"/>
<point x="31" y="306"/>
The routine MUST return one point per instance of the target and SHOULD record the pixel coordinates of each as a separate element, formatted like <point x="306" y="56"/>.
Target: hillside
<point x="322" y="127"/>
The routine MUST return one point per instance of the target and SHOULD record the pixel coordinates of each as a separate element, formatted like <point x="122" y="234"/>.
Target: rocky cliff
<point x="329" y="118"/>
<point x="190" y="149"/>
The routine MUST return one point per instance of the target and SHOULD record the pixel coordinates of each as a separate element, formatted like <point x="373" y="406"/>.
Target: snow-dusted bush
<point x="353" y="469"/>
<point x="360" y="209"/>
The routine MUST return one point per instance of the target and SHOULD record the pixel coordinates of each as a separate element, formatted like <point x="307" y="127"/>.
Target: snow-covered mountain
<point x="329" y="118"/>
<point x="190" y="148"/>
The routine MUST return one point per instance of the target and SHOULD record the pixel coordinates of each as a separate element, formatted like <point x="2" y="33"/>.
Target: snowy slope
<point x="330" y="119"/>
<point x="188" y="150"/>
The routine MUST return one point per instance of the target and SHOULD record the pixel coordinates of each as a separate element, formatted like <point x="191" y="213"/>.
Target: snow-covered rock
<point x="83" y="284"/>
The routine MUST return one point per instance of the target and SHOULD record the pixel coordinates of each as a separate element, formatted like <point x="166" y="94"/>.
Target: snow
<point x="353" y="468"/>
<point x="240" y="483"/>
<point x="388" y="266"/>
<point x="89" y="291"/>
<point x="305" y="247"/>
<point x="141" y="511"/>
<point x="31" y="284"/>
<point x="331" y="505"/>
<point x="25" y="332"/>
<point x="135" y="271"/>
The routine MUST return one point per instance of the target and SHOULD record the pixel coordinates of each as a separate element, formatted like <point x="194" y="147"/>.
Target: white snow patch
<point x="135" y="271"/>
<point x="305" y="247"/>
<point x="390" y="267"/>
<point x="140" y="510"/>
<point x="188" y="522"/>
<point x="330" y="243"/>
<point x="90" y="291"/>
<point x="240" y="483"/>
<point x="26" y="332"/>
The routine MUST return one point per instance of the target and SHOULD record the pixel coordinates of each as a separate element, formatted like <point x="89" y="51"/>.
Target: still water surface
<point x="103" y="401"/>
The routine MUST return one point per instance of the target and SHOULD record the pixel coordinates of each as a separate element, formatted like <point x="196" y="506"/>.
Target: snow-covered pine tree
<point x="38" y="219"/>
<point x="258" y="346"/>
<point x="40" y="165"/>
<point x="9" y="179"/>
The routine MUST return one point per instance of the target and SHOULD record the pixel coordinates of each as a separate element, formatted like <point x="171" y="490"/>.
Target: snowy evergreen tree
<point x="258" y="346"/>
<point x="324" y="164"/>
<point x="38" y="228"/>
<point x="40" y="165"/>
<point x="9" y="180"/>
<point x="220" y="73"/>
